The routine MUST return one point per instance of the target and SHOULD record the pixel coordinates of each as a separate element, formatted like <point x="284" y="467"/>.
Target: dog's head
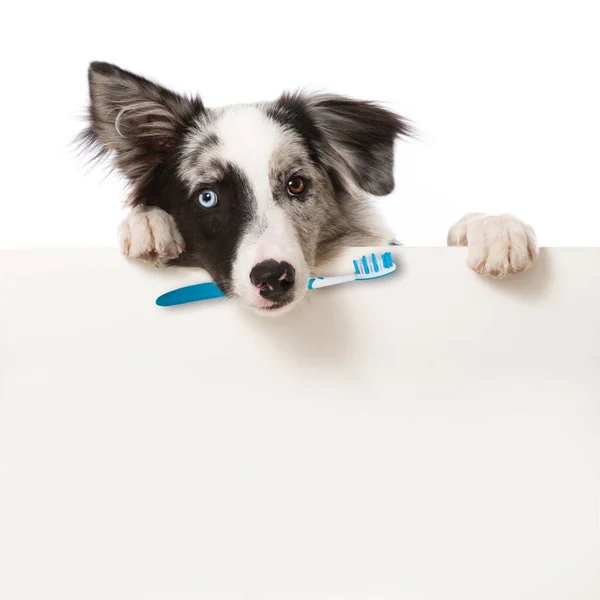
<point x="261" y="193"/>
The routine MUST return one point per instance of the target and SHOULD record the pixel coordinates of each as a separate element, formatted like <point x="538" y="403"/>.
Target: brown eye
<point x="295" y="185"/>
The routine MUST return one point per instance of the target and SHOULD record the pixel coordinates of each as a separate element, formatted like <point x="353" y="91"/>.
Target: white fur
<point x="248" y="139"/>
<point x="151" y="234"/>
<point x="498" y="245"/>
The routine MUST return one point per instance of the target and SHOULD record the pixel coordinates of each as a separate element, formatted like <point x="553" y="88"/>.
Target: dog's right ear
<point x="134" y="119"/>
<point x="353" y="139"/>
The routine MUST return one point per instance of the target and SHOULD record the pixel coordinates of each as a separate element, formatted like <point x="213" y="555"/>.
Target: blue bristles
<point x="374" y="266"/>
<point x="365" y="265"/>
<point x="374" y="263"/>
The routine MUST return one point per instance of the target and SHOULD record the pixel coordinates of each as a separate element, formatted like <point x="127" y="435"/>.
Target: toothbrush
<point x="365" y="268"/>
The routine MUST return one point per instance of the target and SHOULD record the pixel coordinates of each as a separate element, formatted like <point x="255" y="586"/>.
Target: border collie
<point x="260" y="195"/>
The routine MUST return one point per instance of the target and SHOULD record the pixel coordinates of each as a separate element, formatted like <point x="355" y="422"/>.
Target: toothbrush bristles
<point x="374" y="265"/>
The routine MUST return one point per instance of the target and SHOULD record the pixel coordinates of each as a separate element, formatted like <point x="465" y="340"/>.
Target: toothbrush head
<point x="374" y="266"/>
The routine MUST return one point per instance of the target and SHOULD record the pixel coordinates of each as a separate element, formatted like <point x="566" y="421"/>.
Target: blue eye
<point x="207" y="199"/>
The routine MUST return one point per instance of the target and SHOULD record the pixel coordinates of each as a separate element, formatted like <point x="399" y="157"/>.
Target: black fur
<point x="210" y="235"/>
<point x="292" y="110"/>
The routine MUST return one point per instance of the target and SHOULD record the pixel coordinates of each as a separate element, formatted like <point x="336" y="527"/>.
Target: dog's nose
<point x="273" y="279"/>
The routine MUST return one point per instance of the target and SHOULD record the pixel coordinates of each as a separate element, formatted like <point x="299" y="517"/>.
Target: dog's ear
<point x="361" y="136"/>
<point x="135" y="119"/>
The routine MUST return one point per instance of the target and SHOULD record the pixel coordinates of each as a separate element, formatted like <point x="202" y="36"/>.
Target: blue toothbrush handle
<point x="190" y="293"/>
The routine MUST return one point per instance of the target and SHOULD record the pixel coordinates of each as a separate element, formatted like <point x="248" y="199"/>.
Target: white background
<point x="506" y="97"/>
<point x="429" y="436"/>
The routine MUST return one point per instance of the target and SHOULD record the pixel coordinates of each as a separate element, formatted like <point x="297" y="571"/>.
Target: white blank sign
<point x="434" y="435"/>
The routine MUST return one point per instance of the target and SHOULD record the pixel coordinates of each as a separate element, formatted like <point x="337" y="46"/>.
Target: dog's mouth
<point x="278" y="305"/>
<point x="277" y="308"/>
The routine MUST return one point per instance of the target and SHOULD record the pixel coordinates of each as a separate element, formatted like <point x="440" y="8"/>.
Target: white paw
<point x="150" y="233"/>
<point x="498" y="246"/>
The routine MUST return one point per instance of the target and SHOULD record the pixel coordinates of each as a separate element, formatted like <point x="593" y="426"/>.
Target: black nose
<point x="274" y="279"/>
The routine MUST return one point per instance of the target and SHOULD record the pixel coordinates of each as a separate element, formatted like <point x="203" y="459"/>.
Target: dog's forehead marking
<point x="251" y="141"/>
<point x="248" y="139"/>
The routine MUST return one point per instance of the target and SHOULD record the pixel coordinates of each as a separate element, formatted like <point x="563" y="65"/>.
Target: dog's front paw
<point x="498" y="245"/>
<point x="149" y="233"/>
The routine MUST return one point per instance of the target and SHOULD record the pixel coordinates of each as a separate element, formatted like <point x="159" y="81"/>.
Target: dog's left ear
<point x="134" y="119"/>
<point x="361" y="136"/>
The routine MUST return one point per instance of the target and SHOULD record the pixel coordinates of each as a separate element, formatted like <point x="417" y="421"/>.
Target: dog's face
<point x="253" y="204"/>
<point x="261" y="193"/>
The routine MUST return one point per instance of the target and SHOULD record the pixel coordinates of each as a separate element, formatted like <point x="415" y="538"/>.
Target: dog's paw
<point x="498" y="245"/>
<point x="149" y="233"/>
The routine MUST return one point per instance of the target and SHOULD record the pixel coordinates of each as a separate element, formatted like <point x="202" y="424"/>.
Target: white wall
<point x="430" y="436"/>
<point x="506" y="97"/>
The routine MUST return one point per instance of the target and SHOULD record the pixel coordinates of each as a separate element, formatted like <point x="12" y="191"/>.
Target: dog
<point x="261" y="195"/>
